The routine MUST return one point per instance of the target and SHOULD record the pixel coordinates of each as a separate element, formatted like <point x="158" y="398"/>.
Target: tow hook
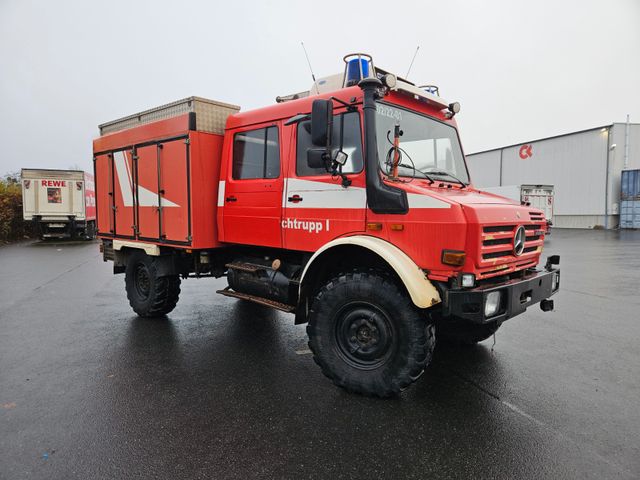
<point x="546" y="305"/>
<point x="551" y="261"/>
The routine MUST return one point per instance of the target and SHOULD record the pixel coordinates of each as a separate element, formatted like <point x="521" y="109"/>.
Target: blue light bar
<point x="358" y="67"/>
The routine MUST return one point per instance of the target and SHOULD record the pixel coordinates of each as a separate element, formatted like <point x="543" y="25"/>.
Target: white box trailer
<point x="59" y="203"/>
<point x="538" y="196"/>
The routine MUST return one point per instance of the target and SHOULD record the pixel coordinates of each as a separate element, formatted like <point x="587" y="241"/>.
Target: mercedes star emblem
<point x="518" y="241"/>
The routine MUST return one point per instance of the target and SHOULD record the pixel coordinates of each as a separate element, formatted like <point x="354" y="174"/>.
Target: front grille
<point x="497" y="243"/>
<point x="536" y="216"/>
<point x="504" y="253"/>
<point x="499" y="228"/>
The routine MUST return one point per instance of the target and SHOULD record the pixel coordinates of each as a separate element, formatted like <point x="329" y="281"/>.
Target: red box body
<point x="158" y="183"/>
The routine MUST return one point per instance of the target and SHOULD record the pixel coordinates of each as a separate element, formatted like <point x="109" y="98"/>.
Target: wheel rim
<point x="142" y="280"/>
<point x="364" y="335"/>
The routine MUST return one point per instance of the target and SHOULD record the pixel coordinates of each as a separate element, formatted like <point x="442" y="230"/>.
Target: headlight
<point x="555" y="281"/>
<point x="468" y="280"/>
<point x="492" y="304"/>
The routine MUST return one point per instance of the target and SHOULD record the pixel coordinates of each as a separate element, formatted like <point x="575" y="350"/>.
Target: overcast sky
<point x="521" y="69"/>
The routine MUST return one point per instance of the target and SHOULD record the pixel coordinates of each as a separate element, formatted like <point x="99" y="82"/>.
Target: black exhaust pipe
<point x="381" y="198"/>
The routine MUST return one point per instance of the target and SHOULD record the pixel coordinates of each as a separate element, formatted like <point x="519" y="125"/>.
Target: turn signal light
<point x="398" y="227"/>
<point x="374" y="226"/>
<point x="453" y="257"/>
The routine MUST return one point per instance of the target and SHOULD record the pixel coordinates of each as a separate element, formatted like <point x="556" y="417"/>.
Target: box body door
<point x="124" y="194"/>
<point x="174" y="191"/>
<point x="103" y="167"/>
<point x="147" y="193"/>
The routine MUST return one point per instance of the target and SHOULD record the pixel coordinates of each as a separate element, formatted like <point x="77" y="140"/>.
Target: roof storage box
<point x="210" y="115"/>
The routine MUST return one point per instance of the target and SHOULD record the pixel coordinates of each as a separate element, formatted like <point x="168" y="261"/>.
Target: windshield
<point x="429" y="146"/>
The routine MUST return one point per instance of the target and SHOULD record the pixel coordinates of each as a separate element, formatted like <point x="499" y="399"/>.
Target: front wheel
<point x="150" y="295"/>
<point x="367" y="336"/>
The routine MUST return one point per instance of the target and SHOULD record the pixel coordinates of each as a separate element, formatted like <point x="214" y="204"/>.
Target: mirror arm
<point x="298" y="118"/>
<point x="349" y="106"/>
<point x="336" y="171"/>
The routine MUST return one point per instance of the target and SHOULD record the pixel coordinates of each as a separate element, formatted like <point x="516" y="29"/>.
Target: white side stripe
<point x="324" y="195"/>
<point x="122" y="172"/>
<point x="221" y="185"/>
<point x="146" y="198"/>
<point x="332" y="195"/>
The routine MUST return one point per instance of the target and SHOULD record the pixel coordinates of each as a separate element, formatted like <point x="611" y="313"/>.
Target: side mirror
<point x="321" y="119"/>
<point x="316" y="158"/>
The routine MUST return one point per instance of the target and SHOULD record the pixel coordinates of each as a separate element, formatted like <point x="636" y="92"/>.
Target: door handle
<point x="231" y="199"/>
<point x="295" y="199"/>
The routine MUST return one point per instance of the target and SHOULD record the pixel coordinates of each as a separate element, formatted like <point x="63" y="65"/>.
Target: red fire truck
<point x="349" y="205"/>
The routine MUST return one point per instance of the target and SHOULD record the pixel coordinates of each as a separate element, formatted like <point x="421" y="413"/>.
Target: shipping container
<point x="630" y="185"/>
<point x="630" y="214"/>
<point x="59" y="203"/>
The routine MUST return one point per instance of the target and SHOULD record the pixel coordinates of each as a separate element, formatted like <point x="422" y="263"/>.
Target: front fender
<point x="422" y="292"/>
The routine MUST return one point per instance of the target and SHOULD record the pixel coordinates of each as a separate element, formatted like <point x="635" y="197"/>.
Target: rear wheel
<point x="149" y="294"/>
<point x="366" y="334"/>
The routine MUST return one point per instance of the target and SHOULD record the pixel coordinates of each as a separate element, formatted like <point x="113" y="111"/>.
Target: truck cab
<point x="350" y="207"/>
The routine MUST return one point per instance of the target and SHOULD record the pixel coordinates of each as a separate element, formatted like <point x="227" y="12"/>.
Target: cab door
<point x="317" y="207"/>
<point x="252" y="194"/>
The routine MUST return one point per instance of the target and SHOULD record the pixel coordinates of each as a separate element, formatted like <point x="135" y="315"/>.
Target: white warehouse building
<point x="584" y="167"/>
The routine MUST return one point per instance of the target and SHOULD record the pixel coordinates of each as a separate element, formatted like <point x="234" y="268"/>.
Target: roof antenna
<point x="315" y="84"/>
<point x="412" y="60"/>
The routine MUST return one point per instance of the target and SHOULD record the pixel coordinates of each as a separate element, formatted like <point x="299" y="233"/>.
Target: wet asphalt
<point x="222" y="389"/>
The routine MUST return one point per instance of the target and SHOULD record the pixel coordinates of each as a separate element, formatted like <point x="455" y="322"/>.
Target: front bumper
<point x="517" y="295"/>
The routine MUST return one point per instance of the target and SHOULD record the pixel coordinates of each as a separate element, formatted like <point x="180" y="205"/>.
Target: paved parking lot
<point x="223" y="389"/>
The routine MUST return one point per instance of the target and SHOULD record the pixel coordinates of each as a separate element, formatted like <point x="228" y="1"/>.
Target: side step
<point x="227" y="292"/>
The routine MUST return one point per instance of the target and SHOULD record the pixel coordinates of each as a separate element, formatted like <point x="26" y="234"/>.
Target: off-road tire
<point x="400" y="338"/>
<point x="149" y="295"/>
<point x="459" y="332"/>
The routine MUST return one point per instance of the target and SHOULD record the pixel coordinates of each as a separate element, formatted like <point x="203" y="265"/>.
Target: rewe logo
<point x="53" y="183"/>
<point x="146" y="198"/>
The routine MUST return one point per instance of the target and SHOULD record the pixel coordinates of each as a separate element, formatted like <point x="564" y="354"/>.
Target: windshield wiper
<point x="424" y="174"/>
<point x="443" y="173"/>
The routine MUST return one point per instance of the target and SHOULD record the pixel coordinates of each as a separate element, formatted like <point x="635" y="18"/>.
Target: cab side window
<point x="346" y="135"/>
<point x="256" y="154"/>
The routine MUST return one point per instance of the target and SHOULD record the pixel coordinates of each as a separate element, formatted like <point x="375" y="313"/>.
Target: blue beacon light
<point x="359" y="66"/>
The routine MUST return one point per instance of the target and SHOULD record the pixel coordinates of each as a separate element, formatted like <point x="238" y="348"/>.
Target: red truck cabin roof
<point x="286" y="110"/>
